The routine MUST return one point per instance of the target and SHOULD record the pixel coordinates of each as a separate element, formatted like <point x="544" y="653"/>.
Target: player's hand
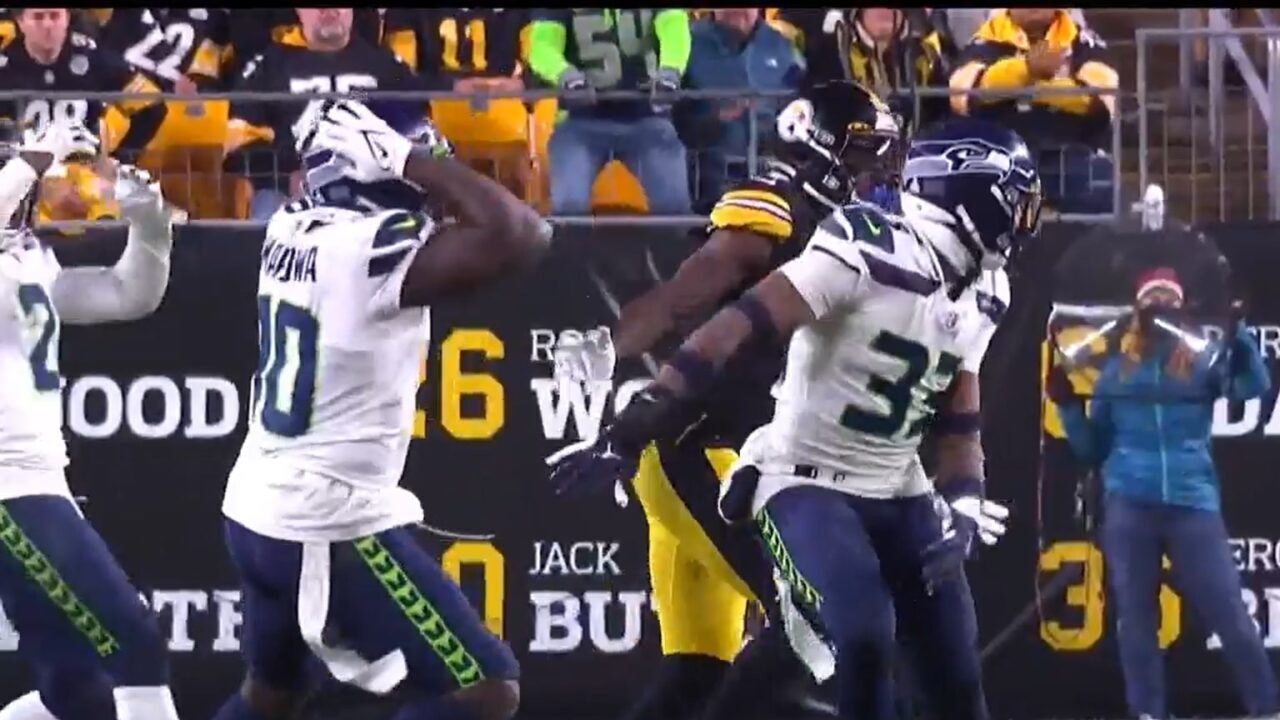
<point x="662" y="94"/>
<point x="584" y="357"/>
<point x="575" y="89"/>
<point x="373" y="148"/>
<point x="64" y="140"/>
<point x="591" y="466"/>
<point x="139" y="196"/>
<point x="966" y="516"/>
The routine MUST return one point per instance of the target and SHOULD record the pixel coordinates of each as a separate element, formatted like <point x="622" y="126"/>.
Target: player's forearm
<point x="960" y="457"/>
<point x="130" y="289"/>
<point x="703" y="279"/>
<point x="770" y="312"/>
<point x="17" y="177"/>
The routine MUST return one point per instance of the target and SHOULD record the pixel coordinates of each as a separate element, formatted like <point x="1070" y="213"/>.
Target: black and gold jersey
<point x="264" y="131"/>
<point x="445" y="44"/>
<point x="775" y="206"/>
<point x="165" y="42"/>
<point x="82" y="65"/>
<point x="256" y="29"/>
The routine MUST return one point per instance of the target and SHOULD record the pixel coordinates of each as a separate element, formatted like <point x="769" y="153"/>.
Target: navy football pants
<point x="854" y="564"/>
<point x="385" y="596"/>
<point x="83" y="626"/>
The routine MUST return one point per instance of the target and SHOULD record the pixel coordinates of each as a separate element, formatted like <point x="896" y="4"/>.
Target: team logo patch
<point x="79" y="65"/>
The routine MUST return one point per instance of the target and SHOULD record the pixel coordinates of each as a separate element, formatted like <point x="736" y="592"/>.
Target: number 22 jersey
<point x="863" y="380"/>
<point x="333" y="397"/>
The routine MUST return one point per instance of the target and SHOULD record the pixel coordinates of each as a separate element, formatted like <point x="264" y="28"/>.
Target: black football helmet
<point x="843" y="140"/>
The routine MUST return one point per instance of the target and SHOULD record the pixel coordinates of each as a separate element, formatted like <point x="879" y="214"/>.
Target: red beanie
<point x="1163" y="278"/>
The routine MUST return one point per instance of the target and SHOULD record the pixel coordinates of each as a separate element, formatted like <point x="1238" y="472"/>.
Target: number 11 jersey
<point x="333" y="397"/>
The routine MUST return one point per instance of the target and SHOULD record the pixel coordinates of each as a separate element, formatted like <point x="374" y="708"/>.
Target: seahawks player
<point x="884" y="342"/>
<point x="833" y="137"/>
<point x="84" y="628"/>
<point x="317" y="525"/>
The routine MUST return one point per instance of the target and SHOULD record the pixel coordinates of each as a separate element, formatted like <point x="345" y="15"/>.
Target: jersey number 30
<point x="899" y="393"/>
<point x="40" y="333"/>
<point x="285" y="381"/>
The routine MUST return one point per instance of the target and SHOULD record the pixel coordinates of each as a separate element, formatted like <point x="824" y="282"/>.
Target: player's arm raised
<point x="721" y="264"/>
<point x="492" y="232"/>
<point x="826" y="278"/>
<point x="133" y="287"/>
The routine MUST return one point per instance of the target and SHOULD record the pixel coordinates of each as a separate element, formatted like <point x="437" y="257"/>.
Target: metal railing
<point x="1218" y="144"/>
<point x="480" y="100"/>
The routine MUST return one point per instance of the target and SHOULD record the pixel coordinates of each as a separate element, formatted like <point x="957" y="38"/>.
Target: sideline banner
<point x="155" y="411"/>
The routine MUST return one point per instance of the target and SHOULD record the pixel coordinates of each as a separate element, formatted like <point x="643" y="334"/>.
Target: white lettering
<point x="604" y="558"/>
<point x="125" y="408"/>
<point x="1250" y="605"/>
<point x="541" y="344"/>
<point x="110" y="423"/>
<point x="8" y="636"/>
<point x="582" y="559"/>
<point x="229" y="620"/>
<point x="627" y="391"/>
<point x="1268" y="340"/>
<point x="1260" y="550"/>
<point x="200" y="425"/>
<point x="556" y="401"/>
<point x="598" y="602"/>
<point x="171" y="415"/>
<point x="547" y="620"/>
<point x="1224" y="426"/>
<point x="182" y="602"/>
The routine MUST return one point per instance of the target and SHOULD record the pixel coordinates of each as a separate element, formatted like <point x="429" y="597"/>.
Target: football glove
<point x="139" y="195"/>
<point x="584" y="357"/>
<point x="64" y="140"/>
<point x="965" y="515"/>
<point x="374" y="149"/>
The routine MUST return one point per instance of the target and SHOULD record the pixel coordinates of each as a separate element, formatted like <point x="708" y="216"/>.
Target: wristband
<point x="697" y="371"/>
<point x="758" y="315"/>
<point x="962" y="486"/>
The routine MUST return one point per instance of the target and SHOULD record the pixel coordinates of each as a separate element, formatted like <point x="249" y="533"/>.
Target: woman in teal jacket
<point x="1149" y="431"/>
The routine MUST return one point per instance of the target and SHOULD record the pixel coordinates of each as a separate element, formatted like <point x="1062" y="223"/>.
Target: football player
<point x="84" y="628"/>
<point x="316" y="523"/>
<point x="703" y="573"/>
<point x="884" y="335"/>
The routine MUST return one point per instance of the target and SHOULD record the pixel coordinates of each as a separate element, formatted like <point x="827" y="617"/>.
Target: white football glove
<point x="987" y="514"/>
<point x="64" y="139"/>
<point x="584" y="357"/>
<point x="346" y="127"/>
<point x="139" y="195"/>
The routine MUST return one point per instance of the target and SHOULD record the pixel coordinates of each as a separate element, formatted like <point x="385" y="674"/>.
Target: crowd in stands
<point x="649" y="148"/>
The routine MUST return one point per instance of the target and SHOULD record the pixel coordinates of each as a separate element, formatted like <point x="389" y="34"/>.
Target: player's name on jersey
<point x="288" y="263"/>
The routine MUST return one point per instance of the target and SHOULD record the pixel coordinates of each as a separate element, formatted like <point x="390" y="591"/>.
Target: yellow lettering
<point x="454" y="384"/>
<point x="494" y="564"/>
<point x="420" y="414"/>
<point x="1086" y="595"/>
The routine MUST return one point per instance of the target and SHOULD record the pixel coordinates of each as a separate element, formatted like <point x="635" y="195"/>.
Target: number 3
<point x="899" y="393"/>
<point x="39" y="317"/>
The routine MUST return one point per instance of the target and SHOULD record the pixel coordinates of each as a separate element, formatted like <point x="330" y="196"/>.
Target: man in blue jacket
<point x="734" y="49"/>
<point x="1149" y="432"/>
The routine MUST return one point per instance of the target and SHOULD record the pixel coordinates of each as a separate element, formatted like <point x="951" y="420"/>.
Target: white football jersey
<point x="333" y="397"/>
<point x="862" y="381"/>
<point x="33" y="451"/>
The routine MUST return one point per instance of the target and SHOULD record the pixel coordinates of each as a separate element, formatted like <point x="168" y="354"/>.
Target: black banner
<point x="155" y="414"/>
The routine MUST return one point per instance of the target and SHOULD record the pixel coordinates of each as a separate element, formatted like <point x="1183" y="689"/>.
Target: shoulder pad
<point x="760" y="205"/>
<point x="860" y="222"/>
<point x="398" y="233"/>
<point x="81" y="41"/>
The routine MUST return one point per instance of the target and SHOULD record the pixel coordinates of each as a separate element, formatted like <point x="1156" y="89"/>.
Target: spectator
<point x="889" y="50"/>
<point x="322" y="55"/>
<point x="733" y="49"/>
<point x="1149" y="430"/>
<point x="255" y="29"/>
<point x="1031" y="48"/>
<point x="584" y="50"/>
<point x="180" y="48"/>
<point x="469" y="51"/>
<point x="44" y="57"/>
